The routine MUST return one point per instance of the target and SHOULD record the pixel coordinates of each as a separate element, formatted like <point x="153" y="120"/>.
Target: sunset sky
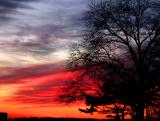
<point x="35" y="36"/>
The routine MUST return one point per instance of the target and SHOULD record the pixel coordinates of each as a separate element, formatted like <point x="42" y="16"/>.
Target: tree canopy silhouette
<point x="119" y="58"/>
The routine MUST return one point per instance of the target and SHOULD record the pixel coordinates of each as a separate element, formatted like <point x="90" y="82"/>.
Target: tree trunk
<point x="140" y="111"/>
<point x="140" y="96"/>
<point x="123" y="112"/>
<point x="122" y="115"/>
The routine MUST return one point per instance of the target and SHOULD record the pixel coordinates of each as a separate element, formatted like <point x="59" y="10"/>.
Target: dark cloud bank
<point x="8" y="7"/>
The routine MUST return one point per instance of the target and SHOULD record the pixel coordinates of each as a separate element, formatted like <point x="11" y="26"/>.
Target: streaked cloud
<point x="33" y="85"/>
<point x="12" y="75"/>
<point x="40" y="31"/>
<point x="8" y="7"/>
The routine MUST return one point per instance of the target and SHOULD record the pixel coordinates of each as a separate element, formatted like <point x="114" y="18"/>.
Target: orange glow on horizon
<point x="34" y="97"/>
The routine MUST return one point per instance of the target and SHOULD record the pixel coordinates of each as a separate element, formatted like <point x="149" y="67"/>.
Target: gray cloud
<point x="47" y="29"/>
<point x="64" y="22"/>
<point x="16" y="75"/>
<point x="44" y="39"/>
<point x="8" y="7"/>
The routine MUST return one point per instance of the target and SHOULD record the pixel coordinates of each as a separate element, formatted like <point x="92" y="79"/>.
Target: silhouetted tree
<point x="119" y="59"/>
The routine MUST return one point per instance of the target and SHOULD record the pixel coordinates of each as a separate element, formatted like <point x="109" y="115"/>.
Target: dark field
<point x="63" y="119"/>
<point x="56" y="119"/>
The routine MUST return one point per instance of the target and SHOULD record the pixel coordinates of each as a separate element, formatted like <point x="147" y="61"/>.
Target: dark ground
<point x="55" y="119"/>
<point x="62" y="119"/>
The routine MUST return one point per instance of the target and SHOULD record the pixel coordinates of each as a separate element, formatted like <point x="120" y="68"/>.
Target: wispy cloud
<point x="8" y="7"/>
<point x="12" y="75"/>
<point x="41" y="30"/>
<point x="34" y="85"/>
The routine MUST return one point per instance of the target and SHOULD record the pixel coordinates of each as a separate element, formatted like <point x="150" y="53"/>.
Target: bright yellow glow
<point x="6" y="91"/>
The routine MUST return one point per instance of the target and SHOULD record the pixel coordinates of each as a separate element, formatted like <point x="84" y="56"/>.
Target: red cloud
<point x="16" y="75"/>
<point x="38" y="84"/>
